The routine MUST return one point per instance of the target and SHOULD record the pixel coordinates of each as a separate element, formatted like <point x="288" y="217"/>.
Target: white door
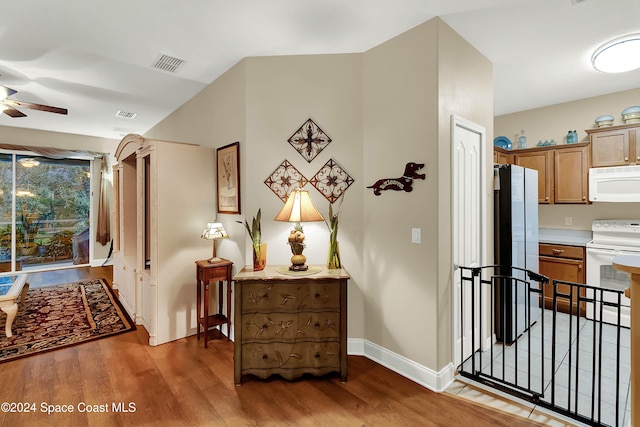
<point x="468" y="205"/>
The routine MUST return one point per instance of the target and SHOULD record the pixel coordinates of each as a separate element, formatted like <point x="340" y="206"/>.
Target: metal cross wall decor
<point x="331" y="180"/>
<point x="309" y="140"/>
<point x="284" y="179"/>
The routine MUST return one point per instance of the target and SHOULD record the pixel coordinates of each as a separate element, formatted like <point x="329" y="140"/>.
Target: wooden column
<point x="631" y="265"/>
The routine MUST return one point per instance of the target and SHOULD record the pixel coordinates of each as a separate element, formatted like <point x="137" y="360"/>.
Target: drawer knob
<point x="546" y="198"/>
<point x="626" y="159"/>
<point x="584" y="197"/>
<point x="557" y="251"/>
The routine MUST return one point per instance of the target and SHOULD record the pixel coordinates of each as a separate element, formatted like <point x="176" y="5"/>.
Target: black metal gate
<point x="571" y="363"/>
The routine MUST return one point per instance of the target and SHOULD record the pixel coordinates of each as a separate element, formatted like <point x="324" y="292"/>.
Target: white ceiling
<point x="94" y="58"/>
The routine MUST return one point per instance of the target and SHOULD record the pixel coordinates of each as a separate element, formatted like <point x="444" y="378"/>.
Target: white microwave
<point x="614" y="184"/>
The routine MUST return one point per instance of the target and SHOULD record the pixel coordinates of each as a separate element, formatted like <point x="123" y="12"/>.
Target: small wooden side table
<point x="217" y="272"/>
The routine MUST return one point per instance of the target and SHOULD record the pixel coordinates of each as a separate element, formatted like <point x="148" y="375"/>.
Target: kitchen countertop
<point x="557" y="236"/>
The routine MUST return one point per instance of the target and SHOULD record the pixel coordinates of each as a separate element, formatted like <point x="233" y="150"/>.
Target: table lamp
<point x="299" y="208"/>
<point x="214" y="231"/>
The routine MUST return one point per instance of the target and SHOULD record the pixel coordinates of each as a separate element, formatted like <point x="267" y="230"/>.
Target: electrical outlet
<point x="415" y="235"/>
<point x="568" y="220"/>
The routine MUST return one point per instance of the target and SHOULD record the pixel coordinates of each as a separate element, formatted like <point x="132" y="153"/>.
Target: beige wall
<point x="412" y="86"/>
<point x="401" y="126"/>
<point x="282" y="93"/>
<point x="214" y="118"/>
<point x="261" y="102"/>
<point x="553" y="122"/>
<point x="22" y="136"/>
<point x="465" y="89"/>
<point x="382" y="108"/>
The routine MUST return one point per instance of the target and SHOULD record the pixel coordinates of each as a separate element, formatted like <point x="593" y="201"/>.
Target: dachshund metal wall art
<point x="404" y="183"/>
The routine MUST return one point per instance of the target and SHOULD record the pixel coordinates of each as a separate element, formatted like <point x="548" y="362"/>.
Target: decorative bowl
<point x="502" y="142"/>
<point x="604" y="121"/>
<point x="631" y="110"/>
<point x="631" y="114"/>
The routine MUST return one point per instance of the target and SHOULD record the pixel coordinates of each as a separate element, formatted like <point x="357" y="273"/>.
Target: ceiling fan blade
<point x="10" y="111"/>
<point x="33" y="106"/>
<point x="7" y="90"/>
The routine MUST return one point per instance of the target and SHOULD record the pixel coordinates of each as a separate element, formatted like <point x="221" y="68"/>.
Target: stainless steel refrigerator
<point x="515" y="245"/>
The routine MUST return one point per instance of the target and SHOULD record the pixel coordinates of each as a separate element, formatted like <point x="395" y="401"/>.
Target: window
<point x="47" y="222"/>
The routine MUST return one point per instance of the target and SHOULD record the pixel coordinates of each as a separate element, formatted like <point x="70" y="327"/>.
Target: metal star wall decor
<point x="309" y="140"/>
<point x="331" y="180"/>
<point x="284" y="179"/>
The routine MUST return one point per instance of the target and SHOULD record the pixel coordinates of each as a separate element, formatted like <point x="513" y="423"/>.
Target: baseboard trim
<point x="436" y="381"/>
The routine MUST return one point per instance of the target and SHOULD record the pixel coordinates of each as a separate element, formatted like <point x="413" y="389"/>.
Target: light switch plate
<point x="415" y="235"/>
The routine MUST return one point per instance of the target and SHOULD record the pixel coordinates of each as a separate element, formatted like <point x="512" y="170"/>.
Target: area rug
<point x="63" y="315"/>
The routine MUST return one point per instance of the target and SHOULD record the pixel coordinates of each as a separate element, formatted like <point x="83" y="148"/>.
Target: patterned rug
<point x="63" y="315"/>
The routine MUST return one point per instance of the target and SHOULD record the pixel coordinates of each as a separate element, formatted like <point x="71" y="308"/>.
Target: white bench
<point x="10" y="291"/>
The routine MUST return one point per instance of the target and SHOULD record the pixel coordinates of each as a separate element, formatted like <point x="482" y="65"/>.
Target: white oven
<point x="610" y="239"/>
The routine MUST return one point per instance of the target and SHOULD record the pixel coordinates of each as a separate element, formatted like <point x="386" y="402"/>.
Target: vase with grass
<point x="259" y="248"/>
<point x="333" y="259"/>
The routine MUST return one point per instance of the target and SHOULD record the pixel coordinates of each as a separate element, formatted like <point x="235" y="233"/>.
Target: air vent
<point x="167" y="63"/>
<point x="126" y="115"/>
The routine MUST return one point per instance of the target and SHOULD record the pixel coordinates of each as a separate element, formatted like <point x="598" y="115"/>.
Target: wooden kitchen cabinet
<point x="565" y="263"/>
<point x="563" y="171"/>
<point x="571" y="174"/>
<point x="290" y="325"/>
<point x="615" y="146"/>
<point x="542" y="161"/>
<point x="501" y="156"/>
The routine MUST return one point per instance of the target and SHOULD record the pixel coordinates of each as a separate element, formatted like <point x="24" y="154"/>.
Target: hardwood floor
<point x="182" y="384"/>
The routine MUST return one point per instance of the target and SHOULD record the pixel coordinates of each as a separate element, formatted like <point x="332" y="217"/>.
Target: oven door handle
<point x="609" y="252"/>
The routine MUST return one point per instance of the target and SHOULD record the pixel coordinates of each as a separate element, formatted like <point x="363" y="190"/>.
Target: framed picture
<point x="228" y="166"/>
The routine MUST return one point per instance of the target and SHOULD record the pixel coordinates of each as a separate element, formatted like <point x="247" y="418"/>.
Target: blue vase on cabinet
<point x="572" y="137"/>
<point x="522" y="142"/>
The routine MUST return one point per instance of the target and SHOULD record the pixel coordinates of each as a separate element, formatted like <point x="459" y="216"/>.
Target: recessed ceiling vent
<point x="168" y="63"/>
<point x="126" y="115"/>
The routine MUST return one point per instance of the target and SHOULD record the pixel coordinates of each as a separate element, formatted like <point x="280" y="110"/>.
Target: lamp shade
<point x="299" y="208"/>
<point x="214" y="231"/>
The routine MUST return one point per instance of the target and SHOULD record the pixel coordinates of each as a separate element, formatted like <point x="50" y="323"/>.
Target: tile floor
<point x="511" y="363"/>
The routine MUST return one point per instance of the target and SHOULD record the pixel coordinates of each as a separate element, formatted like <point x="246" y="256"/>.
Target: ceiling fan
<point x="8" y="105"/>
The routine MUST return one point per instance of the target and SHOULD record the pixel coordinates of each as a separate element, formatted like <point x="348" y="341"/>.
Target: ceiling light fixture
<point x="618" y="55"/>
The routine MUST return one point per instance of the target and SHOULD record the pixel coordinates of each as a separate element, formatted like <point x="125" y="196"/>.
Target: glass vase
<point x="333" y="259"/>
<point x="260" y="258"/>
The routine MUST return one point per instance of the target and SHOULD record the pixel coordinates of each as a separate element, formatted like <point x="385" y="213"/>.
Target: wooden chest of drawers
<point x="290" y="325"/>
